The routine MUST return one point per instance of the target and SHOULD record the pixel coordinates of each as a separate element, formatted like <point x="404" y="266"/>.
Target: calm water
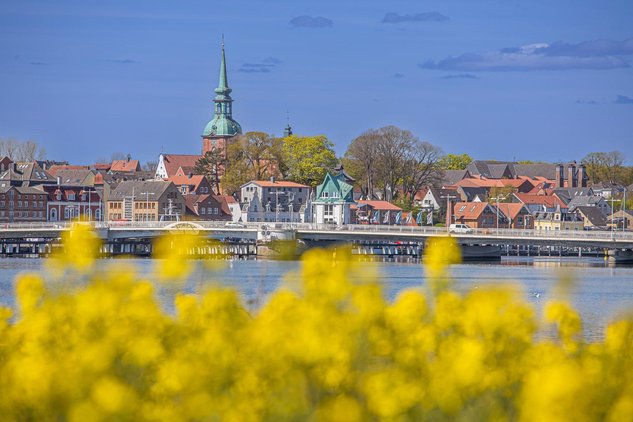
<point x="600" y="293"/>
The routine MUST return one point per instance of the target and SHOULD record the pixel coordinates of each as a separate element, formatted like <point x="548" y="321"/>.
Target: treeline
<point x="21" y="150"/>
<point x="608" y="167"/>
<point x="393" y="164"/>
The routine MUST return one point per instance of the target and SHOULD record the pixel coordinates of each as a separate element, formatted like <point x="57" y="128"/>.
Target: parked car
<point x="460" y="228"/>
<point x="234" y="225"/>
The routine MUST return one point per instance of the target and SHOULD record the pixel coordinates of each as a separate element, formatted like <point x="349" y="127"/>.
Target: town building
<point x="591" y="216"/>
<point x="517" y="215"/>
<point x="274" y="201"/>
<point x="70" y="202"/>
<point x="145" y="200"/>
<point x="333" y="201"/>
<point x="478" y="215"/>
<point x="191" y="184"/>
<point x="207" y="207"/>
<point x="25" y="174"/>
<point x="621" y="219"/>
<point x="222" y="126"/>
<point x="125" y="166"/>
<point x="22" y="204"/>
<point x="377" y="212"/>
<point x="169" y="165"/>
<point x="436" y="199"/>
<point x="557" y="220"/>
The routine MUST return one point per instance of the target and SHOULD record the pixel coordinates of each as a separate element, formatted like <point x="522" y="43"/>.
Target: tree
<point x="360" y="161"/>
<point x="150" y="166"/>
<point x="393" y="162"/>
<point x="421" y="168"/>
<point x="21" y="151"/>
<point x="604" y="166"/>
<point x="455" y="161"/>
<point x="211" y="165"/>
<point x="308" y="158"/>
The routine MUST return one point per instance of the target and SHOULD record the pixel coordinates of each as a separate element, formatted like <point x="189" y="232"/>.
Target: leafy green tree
<point x="455" y="161"/>
<point x="308" y="158"/>
<point x="604" y="166"/>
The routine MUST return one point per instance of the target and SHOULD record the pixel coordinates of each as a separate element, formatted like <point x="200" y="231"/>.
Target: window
<point x="202" y="210"/>
<point x="462" y="208"/>
<point x="328" y="211"/>
<point x="19" y="204"/>
<point x="71" y="196"/>
<point x="325" y="194"/>
<point x="215" y="211"/>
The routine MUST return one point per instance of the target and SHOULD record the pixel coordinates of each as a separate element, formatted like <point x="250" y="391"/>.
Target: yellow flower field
<point x="330" y="349"/>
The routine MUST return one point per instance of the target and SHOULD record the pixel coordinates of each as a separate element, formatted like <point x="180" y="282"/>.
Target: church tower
<point x="222" y="127"/>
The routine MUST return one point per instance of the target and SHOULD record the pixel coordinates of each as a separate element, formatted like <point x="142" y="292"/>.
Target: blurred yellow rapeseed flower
<point x="80" y="248"/>
<point x="440" y="252"/>
<point x="331" y="349"/>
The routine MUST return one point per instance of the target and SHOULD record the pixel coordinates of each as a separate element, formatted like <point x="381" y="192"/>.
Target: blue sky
<point x="497" y="79"/>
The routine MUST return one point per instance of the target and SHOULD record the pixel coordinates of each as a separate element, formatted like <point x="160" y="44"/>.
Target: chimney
<point x="59" y="180"/>
<point x="190" y="175"/>
<point x="571" y="175"/>
<point x="272" y="179"/>
<point x="582" y="176"/>
<point x="560" y="175"/>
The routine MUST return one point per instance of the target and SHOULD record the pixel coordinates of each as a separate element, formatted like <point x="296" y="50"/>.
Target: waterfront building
<point x="69" y="202"/>
<point x="22" y="204"/>
<point x="274" y="201"/>
<point x="333" y="201"/>
<point x="207" y="207"/>
<point x="478" y="215"/>
<point x="145" y="200"/>
<point x="222" y="126"/>
<point x="557" y="220"/>
<point x="517" y="215"/>
<point x="376" y="212"/>
<point x="621" y="219"/>
<point x="591" y="216"/>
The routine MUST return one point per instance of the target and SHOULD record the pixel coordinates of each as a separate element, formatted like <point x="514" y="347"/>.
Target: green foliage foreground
<point x="328" y="348"/>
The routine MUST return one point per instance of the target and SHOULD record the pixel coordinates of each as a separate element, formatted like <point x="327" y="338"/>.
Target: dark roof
<point x="140" y="188"/>
<point x="471" y="192"/>
<point x="73" y="177"/>
<point x="579" y="201"/>
<point x="593" y="214"/>
<point x="453" y="176"/>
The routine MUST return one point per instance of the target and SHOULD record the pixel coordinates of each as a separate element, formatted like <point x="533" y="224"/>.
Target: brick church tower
<point x="222" y="127"/>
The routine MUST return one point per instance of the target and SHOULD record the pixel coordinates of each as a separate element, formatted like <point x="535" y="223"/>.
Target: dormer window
<point x="59" y="196"/>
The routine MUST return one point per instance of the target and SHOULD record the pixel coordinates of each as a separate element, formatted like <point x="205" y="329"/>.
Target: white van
<point x="459" y="228"/>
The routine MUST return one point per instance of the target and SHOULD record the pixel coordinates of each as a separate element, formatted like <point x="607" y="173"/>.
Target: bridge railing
<point x="484" y="232"/>
<point x="351" y="228"/>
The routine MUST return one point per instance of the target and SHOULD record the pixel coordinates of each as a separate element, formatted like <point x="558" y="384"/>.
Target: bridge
<point x="141" y="233"/>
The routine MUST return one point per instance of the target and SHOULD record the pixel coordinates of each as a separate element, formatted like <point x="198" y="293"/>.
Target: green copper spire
<point x="223" y="84"/>
<point x="222" y="124"/>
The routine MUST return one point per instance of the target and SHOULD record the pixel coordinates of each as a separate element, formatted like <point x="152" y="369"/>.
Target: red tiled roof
<point x="194" y="180"/>
<point x="228" y="198"/>
<point x="380" y="205"/>
<point x="511" y="209"/>
<point x="470" y="211"/>
<point x="125" y="166"/>
<point x="223" y="202"/>
<point x="55" y="168"/>
<point x="101" y="166"/>
<point x="174" y="161"/>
